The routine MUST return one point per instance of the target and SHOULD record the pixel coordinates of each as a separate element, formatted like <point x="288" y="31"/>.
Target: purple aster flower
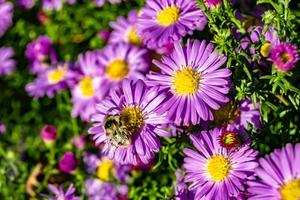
<point x="60" y="194"/>
<point x="165" y="21"/>
<point x="98" y="190"/>
<point x="52" y="4"/>
<point x="194" y="82"/>
<point x="6" y="15"/>
<point x="284" y="56"/>
<point x="136" y="104"/>
<point x="213" y="3"/>
<point x="25" y="4"/>
<point x="91" y="161"/>
<point x="125" y="30"/>
<point x="279" y="175"/>
<point x="119" y="61"/>
<point x="99" y="3"/>
<point x="89" y="90"/>
<point x="79" y="141"/>
<point x="181" y="191"/>
<point x="40" y="54"/>
<point x="241" y="115"/>
<point x="214" y="171"/>
<point x="67" y="162"/>
<point x="48" y="133"/>
<point x="2" y="128"/>
<point x="51" y="81"/>
<point x="7" y="64"/>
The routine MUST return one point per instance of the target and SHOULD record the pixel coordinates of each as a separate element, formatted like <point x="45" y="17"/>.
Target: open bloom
<point x="284" y="56"/>
<point x="40" y="54"/>
<point x="7" y="64"/>
<point x="6" y="15"/>
<point x="279" y="175"/>
<point x="194" y="82"/>
<point x="165" y="21"/>
<point x="97" y="189"/>
<point x="53" y="80"/>
<point x="214" y="171"/>
<point x="120" y="61"/>
<point x="125" y="29"/>
<point x="88" y="91"/>
<point x="60" y="194"/>
<point x="127" y="123"/>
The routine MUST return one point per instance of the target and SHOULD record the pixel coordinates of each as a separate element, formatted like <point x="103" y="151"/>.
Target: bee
<point x="117" y="130"/>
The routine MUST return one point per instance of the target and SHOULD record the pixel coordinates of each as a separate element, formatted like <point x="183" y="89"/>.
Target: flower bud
<point x="48" y="133"/>
<point x="67" y="163"/>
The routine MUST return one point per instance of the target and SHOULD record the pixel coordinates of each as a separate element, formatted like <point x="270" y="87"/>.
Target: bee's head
<point x="111" y="121"/>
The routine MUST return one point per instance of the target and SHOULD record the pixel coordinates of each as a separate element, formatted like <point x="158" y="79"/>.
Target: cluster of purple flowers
<point x="131" y="100"/>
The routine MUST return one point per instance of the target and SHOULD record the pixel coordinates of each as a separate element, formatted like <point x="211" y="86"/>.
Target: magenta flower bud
<point x="104" y="34"/>
<point x="213" y="3"/>
<point x="2" y="128"/>
<point x="67" y="163"/>
<point x="48" y="133"/>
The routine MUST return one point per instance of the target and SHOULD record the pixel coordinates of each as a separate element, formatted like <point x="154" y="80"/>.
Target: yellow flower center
<point x="229" y="138"/>
<point x="117" y="70"/>
<point x="86" y="85"/>
<point x="285" y="57"/>
<point x="133" y="37"/>
<point x="218" y="167"/>
<point x="133" y="117"/>
<point x="168" y="16"/>
<point x="265" y="49"/>
<point x="56" y="75"/>
<point x="105" y="169"/>
<point x="291" y="190"/>
<point x="227" y="113"/>
<point x="186" y="81"/>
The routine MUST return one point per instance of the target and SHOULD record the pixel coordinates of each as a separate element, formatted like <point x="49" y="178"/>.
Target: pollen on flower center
<point x="133" y="37"/>
<point x="105" y="169"/>
<point x="229" y="140"/>
<point x="56" y="75"/>
<point x="133" y="117"/>
<point x="218" y="167"/>
<point x="186" y="81"/>
<point x="118" y="69"/>
<point x="285" y="57"/>
<point x="291" y="190"/>
<point x="86" y="85"/>
<point x="168" y="16"/>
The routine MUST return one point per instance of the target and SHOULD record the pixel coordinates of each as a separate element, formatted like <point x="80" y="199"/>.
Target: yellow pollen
<point x="56" y="75"/>
<point x="265" y="49"/>
<point x="229" y="138"/>
<point x="218" y="168"/>
<point x="134" y="118"/>
<point x="105" y="169"/>
<point x="186" y="81"/>
<point x="226" y="114"/>
<point x="86" y="85"/>
<point x="133" y="37"/>
<point x="118" y="69"/>
<point x="168" y="16"/>
<point x="291" y="190"/>
<point x="285" y="57"/>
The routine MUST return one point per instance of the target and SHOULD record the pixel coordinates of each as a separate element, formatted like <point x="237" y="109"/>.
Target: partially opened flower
<point x="241" y="115"/>
<point x="6" y="15"/>
<point x="214" y="171"/>
<point x="278" y="175"/>
<point x="48" y="133"/>
<point x="181" y="191"/>
<point x="127" y="123"/>
<point x="284" y="56"/>
<point x="213" y="3"/>
<point x="60" y="194"/>
<point x="194" y="82"/>
<point x="40" y="54"/>
<point x="165" y="21"/>
<point x="120" y="61"/>
<point x="125" y="29"/>
<point x="89" y="90"/>
<point x="7" y="64"/>
<point x="51" y="81"/>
